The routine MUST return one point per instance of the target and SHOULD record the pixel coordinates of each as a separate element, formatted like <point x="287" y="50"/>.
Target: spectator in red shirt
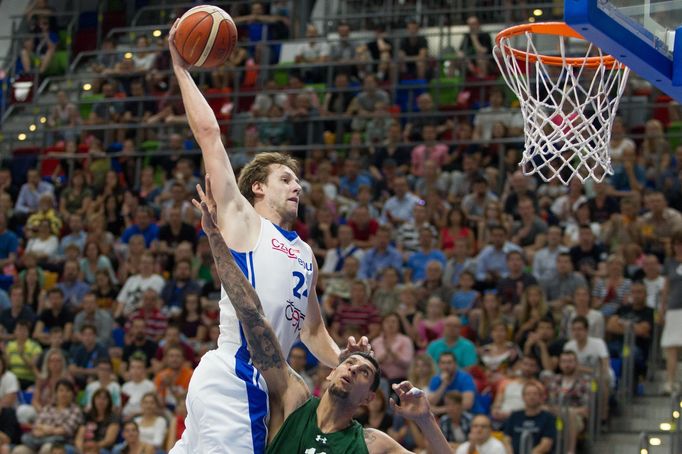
<point x="156" y="321"/>
<point x="364" y="227"/>
<point x="358" y="313"/>
<point x="172" y="339"/>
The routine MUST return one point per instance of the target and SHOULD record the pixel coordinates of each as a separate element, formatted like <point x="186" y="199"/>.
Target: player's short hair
<point x="377" y="369"/>
<point x="258" y="169"/>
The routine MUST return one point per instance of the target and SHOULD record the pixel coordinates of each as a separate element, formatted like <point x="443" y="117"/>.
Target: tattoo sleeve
<point x="263" y="344"/>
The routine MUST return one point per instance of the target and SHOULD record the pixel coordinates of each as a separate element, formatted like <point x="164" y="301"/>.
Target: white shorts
<point x="227" y="405"/>
<point x="672" y="334"/>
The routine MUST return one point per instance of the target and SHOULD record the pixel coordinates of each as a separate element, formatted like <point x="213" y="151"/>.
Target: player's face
<point x="352" y="380"/>
<point x="282" y="191"/>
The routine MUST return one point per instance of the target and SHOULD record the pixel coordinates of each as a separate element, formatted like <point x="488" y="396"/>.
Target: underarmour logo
<point x="321" y="439"/>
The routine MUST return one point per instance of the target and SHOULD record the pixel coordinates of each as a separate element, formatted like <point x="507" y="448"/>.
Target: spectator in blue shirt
<point x="628" y="175"/>
<point x="491" y="263"/>
<point x="71" y="286"/>
<point x="76" y="237"/>
<point x="85" y="355"/>
<point x="381" y="256"/>
<point x="417" y="261"/>
<point x="8" y="243"/>
<point x="451" y="378"/>
<point x="452" y="342"/>
<point x="30" y="193"/>
<point x="399" y="208"/>
<point x="176" y="289"/>
<point x="352" y="179"/>
<point x="143" y="226"/>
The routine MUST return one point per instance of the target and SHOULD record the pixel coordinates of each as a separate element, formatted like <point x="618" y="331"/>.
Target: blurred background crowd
<point x="497" y="293"/>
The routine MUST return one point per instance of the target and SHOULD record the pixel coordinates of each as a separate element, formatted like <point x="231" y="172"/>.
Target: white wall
<point x="7" y="10"/>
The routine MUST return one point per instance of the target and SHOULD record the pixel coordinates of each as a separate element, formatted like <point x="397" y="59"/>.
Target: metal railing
<point x="627" y="375"/>
<point x="563" y="419"/>
<point x="595" y="403"/>
<point x="676" y="425"/>
<point x="655" y="357"/>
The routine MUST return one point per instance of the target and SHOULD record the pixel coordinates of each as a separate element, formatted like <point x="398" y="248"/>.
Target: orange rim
<point x="552" y="28"/>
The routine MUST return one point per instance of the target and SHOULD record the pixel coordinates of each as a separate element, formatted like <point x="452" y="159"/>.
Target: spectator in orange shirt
<point x="172" y="382"/>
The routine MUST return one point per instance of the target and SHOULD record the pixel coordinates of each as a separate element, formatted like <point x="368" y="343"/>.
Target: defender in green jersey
<point x="299" y="423"/>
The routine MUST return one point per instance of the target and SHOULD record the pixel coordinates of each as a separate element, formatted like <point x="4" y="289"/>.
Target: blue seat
<point x="407" y="93"/>
<point x="25" y="397"/>
<point x="118" y="335"/>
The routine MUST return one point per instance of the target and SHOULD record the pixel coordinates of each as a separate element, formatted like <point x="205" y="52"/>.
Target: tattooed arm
<point x="263" y="345"/>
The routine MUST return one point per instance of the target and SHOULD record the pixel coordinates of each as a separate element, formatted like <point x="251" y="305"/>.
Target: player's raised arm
<point x="231" y="204"/>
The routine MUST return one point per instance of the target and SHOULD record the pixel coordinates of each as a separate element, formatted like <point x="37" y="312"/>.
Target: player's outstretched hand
<point x="413" y="403"/>
<point x="207" y="205"/>
<point x="352" y="346"/>
<point x="178" y="61"/>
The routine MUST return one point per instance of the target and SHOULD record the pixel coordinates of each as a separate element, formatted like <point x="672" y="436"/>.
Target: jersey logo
<point x="290" y="252"/>
<point x="321" y="439"/>
<point x="294" y="315"/>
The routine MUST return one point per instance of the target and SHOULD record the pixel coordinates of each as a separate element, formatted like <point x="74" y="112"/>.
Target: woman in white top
<point x="581" y="301"/>
<point x="43" y="244"/>
<point x="9" y="385"/>
<point x="619" y="141"/>
<point x="153" y="427"/>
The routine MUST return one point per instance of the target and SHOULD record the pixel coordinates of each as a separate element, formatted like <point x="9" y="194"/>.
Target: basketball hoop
<point x="568" y="103"/>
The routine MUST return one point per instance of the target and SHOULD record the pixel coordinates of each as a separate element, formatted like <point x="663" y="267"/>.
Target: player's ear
<point x="330" y="373"/>
<point x="258" y="188"/>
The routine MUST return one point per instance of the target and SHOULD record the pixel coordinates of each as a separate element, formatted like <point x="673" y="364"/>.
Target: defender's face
<point x="352" y="380"/>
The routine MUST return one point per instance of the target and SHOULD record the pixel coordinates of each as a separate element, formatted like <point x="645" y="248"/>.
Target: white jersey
<point x="225" y="386"/>
<point x="280" y="268"/>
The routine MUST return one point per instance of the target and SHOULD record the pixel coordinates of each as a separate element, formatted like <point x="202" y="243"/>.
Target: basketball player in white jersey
<point x="227" y="402"/>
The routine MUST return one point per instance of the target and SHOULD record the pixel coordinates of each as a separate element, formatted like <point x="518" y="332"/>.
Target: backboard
<point x="643" y="34"/>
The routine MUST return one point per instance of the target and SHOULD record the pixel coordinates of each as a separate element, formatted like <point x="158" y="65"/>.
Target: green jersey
<point x="300" y="435"/>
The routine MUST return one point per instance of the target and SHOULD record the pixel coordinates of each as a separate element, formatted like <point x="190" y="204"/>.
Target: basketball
<point x="206" y="36"/>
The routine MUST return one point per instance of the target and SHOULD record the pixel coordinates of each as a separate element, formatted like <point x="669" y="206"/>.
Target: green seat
<point x="320" y="90"/>
<point x="59" y="64"/>
<point x="87" y="101"/>
<point x="281" y="76"/>
<point x="150" y="145"/>
<point x="64" y="39"/>
<point x="675" y="134"/>
<point x="445" y="90"/>
<point x="450" y="58"/>
<point x="147" y="146"/>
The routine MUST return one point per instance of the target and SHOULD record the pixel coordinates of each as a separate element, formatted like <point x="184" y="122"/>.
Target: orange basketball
<point x="206" y="36"/>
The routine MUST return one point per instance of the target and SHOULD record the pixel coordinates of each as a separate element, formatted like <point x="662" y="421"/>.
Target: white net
<point x="568" y="104"/>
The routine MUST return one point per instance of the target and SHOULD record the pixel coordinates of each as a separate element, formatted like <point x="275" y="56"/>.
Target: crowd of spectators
<point x="496" y="293"/>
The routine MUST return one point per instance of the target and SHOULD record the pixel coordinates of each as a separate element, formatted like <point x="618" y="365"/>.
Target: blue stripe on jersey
<point x="253" y="270"/>
<point x="257" y="398"/>
<point x="240" y="258"/>
<point x="289" y="235"/>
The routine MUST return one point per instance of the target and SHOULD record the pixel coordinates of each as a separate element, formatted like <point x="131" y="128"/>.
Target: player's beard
<point x="338" y="392"/>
